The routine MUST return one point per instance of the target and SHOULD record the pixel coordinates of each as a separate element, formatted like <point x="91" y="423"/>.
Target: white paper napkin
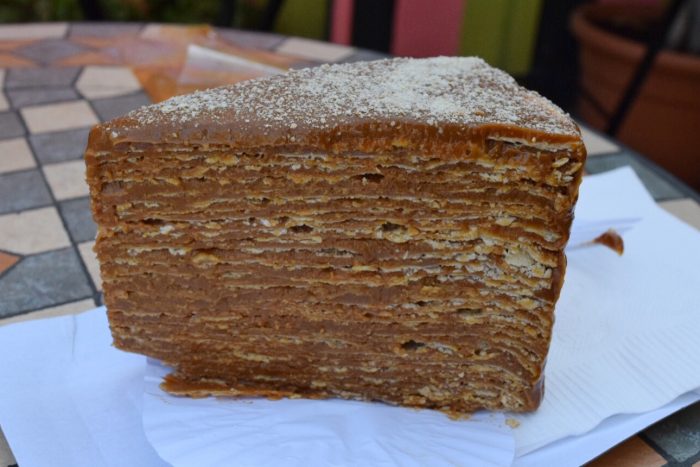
<point x="70" y="399"/>
<point x="626" y="332"/>
<point x="575" y="451"/>
<point x="259" y="432"/>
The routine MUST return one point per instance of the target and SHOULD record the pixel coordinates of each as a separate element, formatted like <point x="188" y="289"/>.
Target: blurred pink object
<point x="341" y="21"/>
<point x="627" y="2"/>
<point x="420" y="28"/>
<point x="425" y="29"/>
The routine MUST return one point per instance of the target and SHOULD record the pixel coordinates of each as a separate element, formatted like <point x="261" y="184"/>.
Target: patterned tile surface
<point x="90" y="260"/>
<point x="23" y="190"/>
<point x="48" y="95"/>
<point x="314" y="50"/>
<point x="50" y="50"/>
<point x="107" y="81"/>
<point x="7" y="261"/>
<point x="685" y="209"/>
<point x="57" y="117"/>
<point x="69" y="308"/>
<point x="42" y="280"/>
<point x="254" y="40"/>
<point x="631" y="453"/>
<point x="78" y="218"/>
<point x="596" y="144"/>
<point x="59" y="146"/>
<point x="104" y="30"/>
<point x="14" y="32"/>
<point x="660" y="188"/>
<point x="32" y="231"/>
<point x="58" y="80"/>
<point x="40" y="77"/>
<point x="15" y="155"/>
<point x="9" y="60"/>
<point x="10" y="125"/>
<point x="67" y="179"/>
<point x="679" y="434"/>
<point x="6" y="457"/>
<point x="361" y="55"/>
<point x="4" y="105"/>
<point x="112" y="107"/>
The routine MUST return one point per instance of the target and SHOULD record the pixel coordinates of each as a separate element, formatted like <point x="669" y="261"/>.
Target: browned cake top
<point x="444" y="97"/>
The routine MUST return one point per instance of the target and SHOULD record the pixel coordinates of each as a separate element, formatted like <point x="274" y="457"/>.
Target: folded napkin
<point x="298" y="432"/>
<point x="70" y="399"/>
<point x="626" y="332"/>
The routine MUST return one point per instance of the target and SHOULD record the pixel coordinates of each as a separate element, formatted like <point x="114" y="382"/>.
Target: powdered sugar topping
<point x="435" y="91"/>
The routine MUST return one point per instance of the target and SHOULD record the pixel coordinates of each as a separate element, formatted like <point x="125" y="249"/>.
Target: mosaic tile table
<point x="58" y="79"/>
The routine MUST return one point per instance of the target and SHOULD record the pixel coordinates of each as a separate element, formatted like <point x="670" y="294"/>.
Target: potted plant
<point x="663" y="121"/>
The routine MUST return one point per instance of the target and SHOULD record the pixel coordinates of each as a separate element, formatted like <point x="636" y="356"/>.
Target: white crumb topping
<point x="435" y="91"/>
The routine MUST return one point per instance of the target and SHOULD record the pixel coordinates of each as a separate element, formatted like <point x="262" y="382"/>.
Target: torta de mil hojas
<point x="390" y="231"/>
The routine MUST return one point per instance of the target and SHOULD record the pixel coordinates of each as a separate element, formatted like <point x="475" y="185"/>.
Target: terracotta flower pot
<point x="664" y="121"/>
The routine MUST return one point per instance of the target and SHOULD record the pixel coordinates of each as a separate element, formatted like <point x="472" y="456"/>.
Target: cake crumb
<point x="513" y="423"/>
<point x="456" y="416"/>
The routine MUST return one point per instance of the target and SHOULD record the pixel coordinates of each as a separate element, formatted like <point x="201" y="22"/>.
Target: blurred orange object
<point x="162" y="54"/>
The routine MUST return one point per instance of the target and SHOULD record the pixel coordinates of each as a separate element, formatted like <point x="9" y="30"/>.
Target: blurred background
<point x="629" y="68"/>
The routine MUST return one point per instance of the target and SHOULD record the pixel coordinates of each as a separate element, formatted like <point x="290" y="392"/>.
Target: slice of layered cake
<point x="389" y="231"/>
